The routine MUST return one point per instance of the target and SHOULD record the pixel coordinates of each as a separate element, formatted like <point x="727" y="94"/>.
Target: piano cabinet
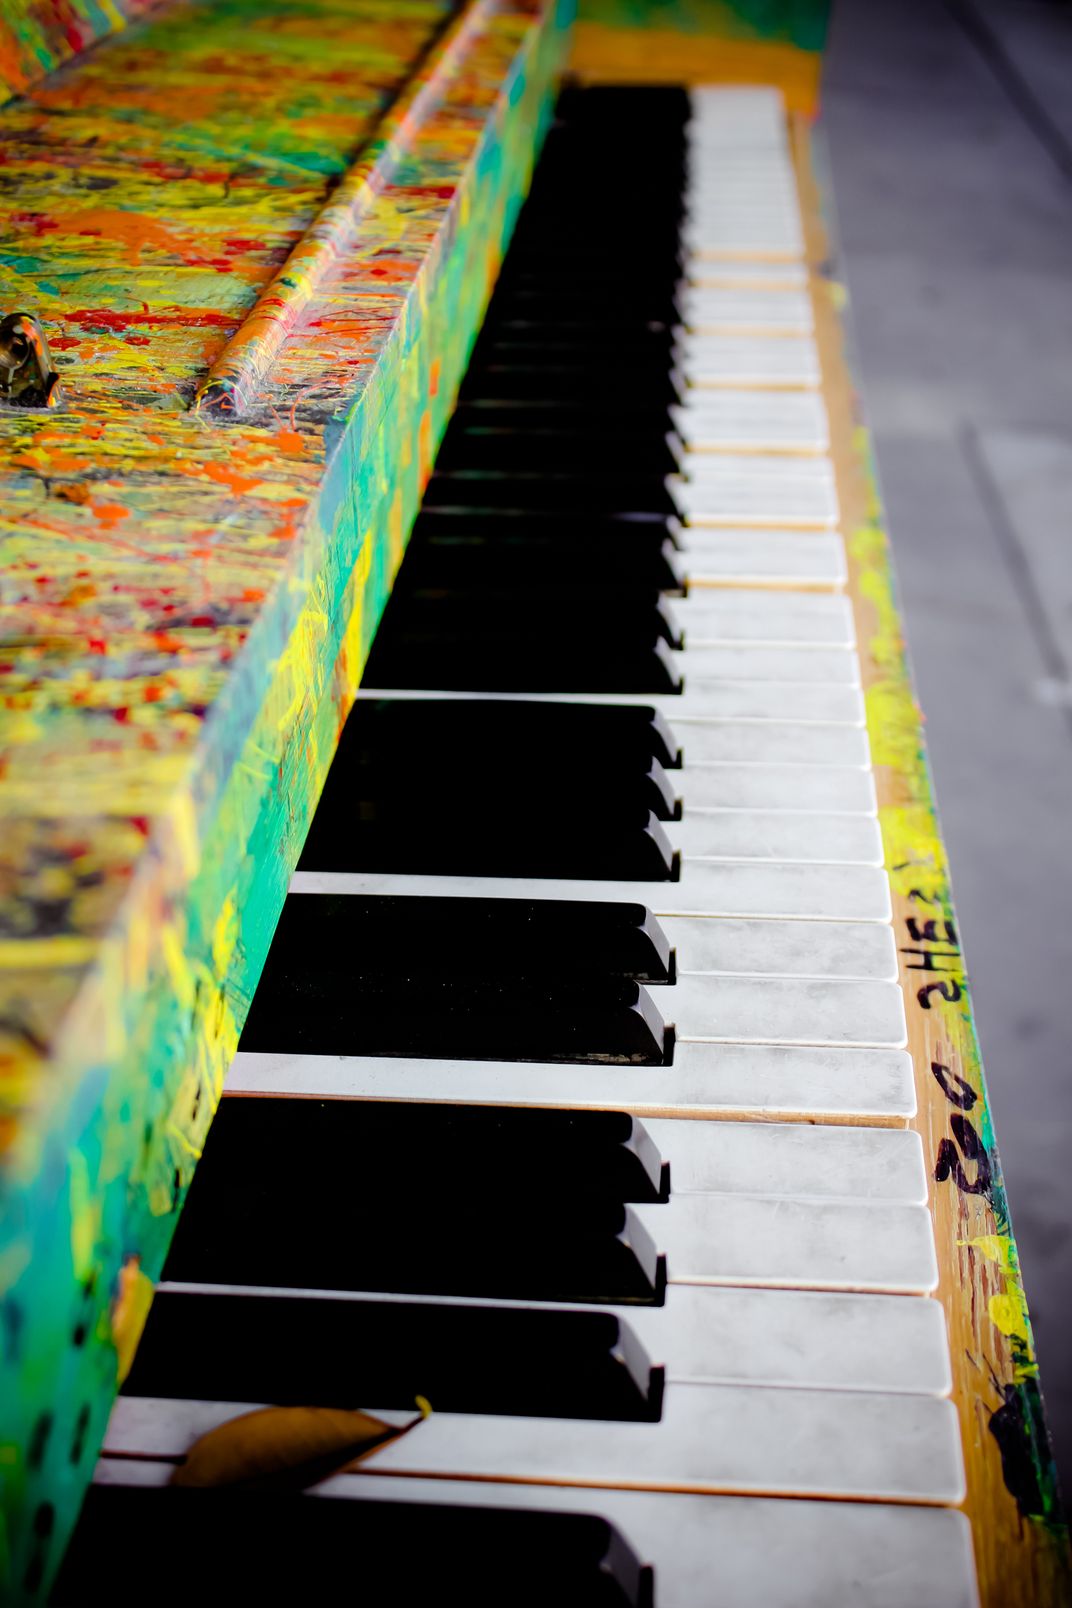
<point x="792" y="1358"/>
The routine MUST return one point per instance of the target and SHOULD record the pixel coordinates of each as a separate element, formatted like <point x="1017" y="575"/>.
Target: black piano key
<point x="463" y="979"/>
<point x="527" y="1204"/>
<point x="553" y="451"/>
<point x="295" y="1351"/>
<point x="469" y="1152"/>
<point x="598" y="309"/>
<point x="516" y="661"/>
<point x="604" y="491"/>
<point x="536" y="1248"/>
<point x="649" y="382"/>
<point x="439" y="936"/>
<point x="268" y="1546"/>
<point x="593" y="615"/>
<point x="567" y="413"/>
<point x="417" y="840"/>
<point x="511" y="341"/>
<point x="501" y="563"/>
<point x="618" y="533"/>
<point x="492" y="1019"/>
<point x="645" y="111"/>
<point x="564" y="790"/>
<point x="401" y="731"/>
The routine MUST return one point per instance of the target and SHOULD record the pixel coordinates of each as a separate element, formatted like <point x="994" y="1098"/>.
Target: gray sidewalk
<point x="948" y="130"/>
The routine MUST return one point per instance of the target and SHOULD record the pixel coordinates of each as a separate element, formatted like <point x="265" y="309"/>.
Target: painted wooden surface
<point x="37" y="36"/>
<point x="704" y="42"/>
<point x="186" y="605"/>
<point x="1020" y="1536"/>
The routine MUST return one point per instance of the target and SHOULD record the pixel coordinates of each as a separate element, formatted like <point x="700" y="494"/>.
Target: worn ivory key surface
<point x="709" y="1438"/>
<point x="809" y="558"/>
<point x="712" y="888"/>
<point x="816" y="1083"/>
<point x="789" y="421"/>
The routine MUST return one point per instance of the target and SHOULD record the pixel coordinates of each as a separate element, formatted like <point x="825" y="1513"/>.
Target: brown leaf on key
<point x="286" y="1447"/>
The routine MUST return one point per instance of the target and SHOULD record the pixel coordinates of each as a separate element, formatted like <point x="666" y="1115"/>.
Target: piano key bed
<point x="609" y="1083"/>
<point x="544" y="905"/>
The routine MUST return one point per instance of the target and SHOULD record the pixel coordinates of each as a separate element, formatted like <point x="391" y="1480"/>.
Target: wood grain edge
<point x="1020" y="1536"/>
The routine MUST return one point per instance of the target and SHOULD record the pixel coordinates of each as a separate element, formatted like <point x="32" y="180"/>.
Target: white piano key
<point x="797" y="788"/>
<point x="783" y="1553"/>
<point x="754" y="181"/>
<point x="706" y="662"/>
<point x="781" y="619"/>
<point x="794" y="1243"/>
<point x="713" y="166"/>
<point x="780" y="468"/>
<point x="705" y="1080"/>
<point x="738" y="110"/>
<point x="733" y="360"/>
<point x="727" y="888"/>
<point x="712" y="160"/>
<point x="776" y="835"/>
<point x="737" y="209"/>
<point x="740" y="236"/>
<point x="713" y="1438"/>
<point x="756" y="196"/>
<point x="746" y="187"/>
<point x="732" y="699"/>
<point x="720" y="1334"/>
<point x="784" y="1010"/>
<point x="754" y="497"/>
<point x="788" y="421"/>
<point x="753" y="193"/>
<point x="792" y="1160"/>
<point x="845" y="949"/>
<point x="774" y="742"/>
<point x="745" y="275"/>
<point x="786" y="558"/>
<point x="762" y="700"/>
<point x="734" y="117"/>
<point x="710" y="1438"/>
<point x="755" y="311"/>
<point x="712" y="150"/>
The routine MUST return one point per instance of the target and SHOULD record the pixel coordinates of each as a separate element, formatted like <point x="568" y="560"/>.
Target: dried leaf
<point x="286" y="1446"/>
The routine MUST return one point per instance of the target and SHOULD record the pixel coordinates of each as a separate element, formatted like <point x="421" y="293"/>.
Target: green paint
<point x="98" y="1176"/>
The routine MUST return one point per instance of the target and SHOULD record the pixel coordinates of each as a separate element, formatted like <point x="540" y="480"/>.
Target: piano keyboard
<point x="597" y="862"/>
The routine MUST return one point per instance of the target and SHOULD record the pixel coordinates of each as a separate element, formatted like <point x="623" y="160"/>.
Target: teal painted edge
<point x="99" y="1215"/>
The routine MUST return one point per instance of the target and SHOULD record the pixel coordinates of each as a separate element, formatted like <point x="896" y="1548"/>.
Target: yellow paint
<point x="85" y="1218"/>
<point x="182" y="818"/>
<point x="178" y="967"/>
<point x="225" y="935"/>
<point x="63" y="950"/>
<point x="603" y="54"/>
<point x="995" y="1247"/>
<point x="915" y="857"/>
<point x="129" y="1312"/>
<point x="1009" y="1313"/>
<point x="893" y="724"/>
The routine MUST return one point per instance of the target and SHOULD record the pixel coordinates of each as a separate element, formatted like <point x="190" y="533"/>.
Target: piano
<point x="478" y="948"/>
